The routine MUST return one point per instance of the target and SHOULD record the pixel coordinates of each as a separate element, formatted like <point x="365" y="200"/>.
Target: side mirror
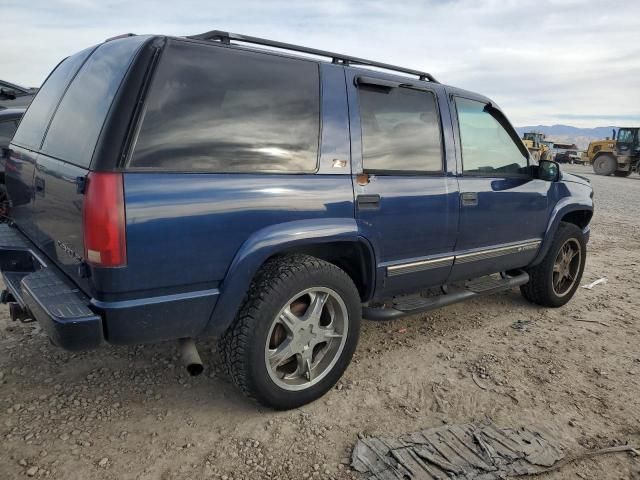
<point x="8" y="94"/>
<point x="549" y="171"/>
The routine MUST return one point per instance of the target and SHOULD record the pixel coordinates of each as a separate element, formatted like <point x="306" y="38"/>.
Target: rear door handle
<point x="469" y="199"/>
<point x="368" y="202"/>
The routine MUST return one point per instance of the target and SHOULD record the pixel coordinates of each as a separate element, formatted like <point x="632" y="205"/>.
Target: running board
<point x="413" y="304"/>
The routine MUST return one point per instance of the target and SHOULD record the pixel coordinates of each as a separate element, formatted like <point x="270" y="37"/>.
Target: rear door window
<point x="38" y="116"/>
<point x="218" y="109"/>
<point x="400" y="130"/>
<point x="78" y="121"/>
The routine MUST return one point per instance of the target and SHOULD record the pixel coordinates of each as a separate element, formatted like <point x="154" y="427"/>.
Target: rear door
<point x="406" y="201"/>
<point x="59" y="164"/>
<point x="24" y="148"/>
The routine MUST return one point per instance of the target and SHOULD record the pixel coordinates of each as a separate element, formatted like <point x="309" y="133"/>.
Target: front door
<point x="406" y="204"/>
<point x="503" y="209"/>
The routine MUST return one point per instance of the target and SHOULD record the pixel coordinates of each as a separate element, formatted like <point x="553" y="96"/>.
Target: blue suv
<point x="175" y="188"/>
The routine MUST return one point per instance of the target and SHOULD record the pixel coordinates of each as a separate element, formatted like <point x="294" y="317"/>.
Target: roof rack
<point x="338" y="58"/>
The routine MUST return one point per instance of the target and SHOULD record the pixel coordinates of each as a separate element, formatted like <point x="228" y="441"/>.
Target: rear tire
<point x="622" y="174"/>
<point x="605" y="165"/>
<point x="547" y="283"/>
<point x="279" y="351"/>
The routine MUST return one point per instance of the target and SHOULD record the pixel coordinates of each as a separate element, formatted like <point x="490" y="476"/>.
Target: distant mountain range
<point x="568" y="134"/>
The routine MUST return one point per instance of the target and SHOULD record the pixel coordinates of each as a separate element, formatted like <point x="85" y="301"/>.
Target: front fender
<point x="563" y="207"/>
<point x="264" y="244"/>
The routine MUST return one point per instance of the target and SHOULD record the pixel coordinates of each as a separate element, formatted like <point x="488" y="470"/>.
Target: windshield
<point x="625" y="136"/>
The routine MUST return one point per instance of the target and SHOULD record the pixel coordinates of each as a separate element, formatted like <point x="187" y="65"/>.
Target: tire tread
<point x="537" y="289"/>
<point x="235" y="343"/>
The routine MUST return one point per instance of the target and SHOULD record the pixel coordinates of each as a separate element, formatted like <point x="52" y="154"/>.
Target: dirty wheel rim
<point x="566" y="267"/>
<point x="306" y="338"/>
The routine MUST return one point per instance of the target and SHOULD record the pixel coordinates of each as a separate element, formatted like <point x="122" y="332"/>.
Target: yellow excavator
<point x="537" y="145"/>
<point x="619" y="156"/>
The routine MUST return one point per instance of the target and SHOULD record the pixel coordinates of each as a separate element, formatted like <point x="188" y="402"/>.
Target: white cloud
<point x="546" y="61"/>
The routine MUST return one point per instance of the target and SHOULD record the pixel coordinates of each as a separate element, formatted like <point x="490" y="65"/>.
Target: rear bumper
<point x="75" y="321"/>
<point x="44" y="291"/>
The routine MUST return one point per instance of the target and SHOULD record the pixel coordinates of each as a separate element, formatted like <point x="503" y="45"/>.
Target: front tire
<point x="295" y="333"/>
<point x="554" y="281"/>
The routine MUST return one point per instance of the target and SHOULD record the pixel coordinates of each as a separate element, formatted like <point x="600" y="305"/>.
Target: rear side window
<point x="487" y="148"/>
<point x="78" y="121"/>
<point x="38" y="116"/>
<point x="218" y="109"/>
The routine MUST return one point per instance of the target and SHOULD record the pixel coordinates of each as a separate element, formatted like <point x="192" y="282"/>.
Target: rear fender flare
<point x="262" y="245"/>
<point x="564" y="206"/>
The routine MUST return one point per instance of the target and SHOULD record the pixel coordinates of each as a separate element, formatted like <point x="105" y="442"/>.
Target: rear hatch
<point x="53" y="149"/>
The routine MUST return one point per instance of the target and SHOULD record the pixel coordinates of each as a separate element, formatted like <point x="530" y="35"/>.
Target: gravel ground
<point x="133" y="413"/>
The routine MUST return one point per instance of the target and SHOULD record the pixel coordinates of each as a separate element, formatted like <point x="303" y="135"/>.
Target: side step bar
<point x="411" y="305"/>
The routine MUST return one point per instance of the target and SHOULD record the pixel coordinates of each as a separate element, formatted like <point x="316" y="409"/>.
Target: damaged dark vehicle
<point x="170" y="188"/>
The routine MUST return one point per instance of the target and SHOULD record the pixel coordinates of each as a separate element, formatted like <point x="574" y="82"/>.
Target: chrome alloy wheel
<point x="566" y="267"/>
<point x="306" y="338"/>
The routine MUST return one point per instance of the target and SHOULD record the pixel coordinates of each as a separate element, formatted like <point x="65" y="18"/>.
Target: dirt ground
<point x="134" y="413"/>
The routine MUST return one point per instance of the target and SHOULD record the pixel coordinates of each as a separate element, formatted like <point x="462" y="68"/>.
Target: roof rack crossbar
<point x="338" y="58"/>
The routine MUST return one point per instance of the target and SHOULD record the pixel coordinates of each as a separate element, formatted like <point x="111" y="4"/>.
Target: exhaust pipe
<point x="190" y="356"/>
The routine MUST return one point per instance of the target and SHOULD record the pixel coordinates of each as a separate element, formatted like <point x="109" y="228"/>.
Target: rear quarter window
<point x="77" y="123"/>
<point x="218" y="109"/>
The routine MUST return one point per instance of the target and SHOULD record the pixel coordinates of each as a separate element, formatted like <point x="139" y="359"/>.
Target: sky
<point x="575" y="62"/>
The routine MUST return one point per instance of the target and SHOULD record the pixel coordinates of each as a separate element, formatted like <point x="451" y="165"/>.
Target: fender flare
<point x="564" y="206"/>
<point x="262" y="245"/>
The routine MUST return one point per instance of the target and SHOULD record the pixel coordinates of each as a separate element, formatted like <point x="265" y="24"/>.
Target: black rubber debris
<point x="467" y="451"/>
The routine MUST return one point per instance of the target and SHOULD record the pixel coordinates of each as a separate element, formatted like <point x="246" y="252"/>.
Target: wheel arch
<point x="580" y="218"/>
<point x="579" y="214"/>
<point x="354" y="257"/>
<point x="334" y="240"/>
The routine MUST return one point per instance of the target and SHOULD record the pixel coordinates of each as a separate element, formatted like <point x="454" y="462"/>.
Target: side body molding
<point x="263" y="244"/>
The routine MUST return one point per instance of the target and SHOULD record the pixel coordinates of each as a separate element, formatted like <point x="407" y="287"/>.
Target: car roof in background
<point x="11" y="113"/>
<point x="14" y="86"/>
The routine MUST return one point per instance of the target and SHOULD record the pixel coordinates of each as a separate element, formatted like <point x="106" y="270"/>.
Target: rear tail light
<point x="105" y="237"/>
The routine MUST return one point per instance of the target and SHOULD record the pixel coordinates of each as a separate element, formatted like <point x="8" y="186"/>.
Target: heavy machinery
<point x="620" y="156"/>
<point x="538" y="147"/>
<point x="599" y="147"/>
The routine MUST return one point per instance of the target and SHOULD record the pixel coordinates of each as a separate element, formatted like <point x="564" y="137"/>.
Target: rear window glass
<point x="219" y="109"/>
<point x="36" y="120"/>
<point x="78" y="121"/>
